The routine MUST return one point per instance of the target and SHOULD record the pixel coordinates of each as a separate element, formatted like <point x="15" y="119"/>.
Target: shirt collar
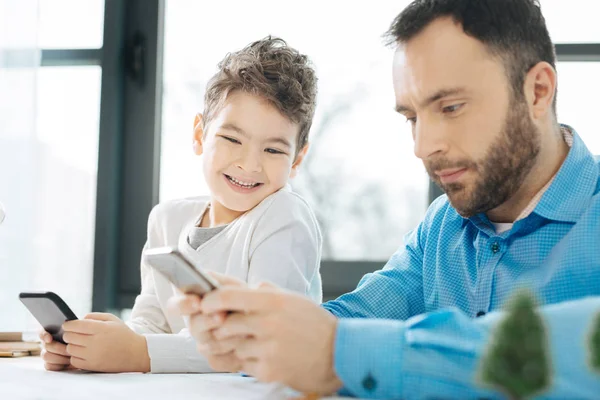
<point x="568" y="136"/>
<point x="574" y="184"/>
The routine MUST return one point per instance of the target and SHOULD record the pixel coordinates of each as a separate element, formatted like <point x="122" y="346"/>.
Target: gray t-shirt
<point x="198" y="236"/>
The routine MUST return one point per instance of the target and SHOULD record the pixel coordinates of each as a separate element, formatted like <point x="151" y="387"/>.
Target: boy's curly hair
<point x="272" y="70"/>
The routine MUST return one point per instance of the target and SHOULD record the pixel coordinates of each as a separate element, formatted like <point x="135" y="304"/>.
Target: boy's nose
<point x="250" y="162"/>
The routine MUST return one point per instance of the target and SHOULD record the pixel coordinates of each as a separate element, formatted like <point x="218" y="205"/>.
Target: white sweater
<point x="277" y="241"/>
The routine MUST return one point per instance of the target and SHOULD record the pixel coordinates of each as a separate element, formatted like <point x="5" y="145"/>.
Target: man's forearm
<point x="437" y="355"/>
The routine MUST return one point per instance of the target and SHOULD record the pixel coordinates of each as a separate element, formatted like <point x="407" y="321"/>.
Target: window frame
<point x="129" y="141"/>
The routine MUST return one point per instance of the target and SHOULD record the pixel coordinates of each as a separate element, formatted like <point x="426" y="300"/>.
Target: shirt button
<point x="480" y="314"/>
<point x="369" y="383"/>
<point x="495" y="247"/>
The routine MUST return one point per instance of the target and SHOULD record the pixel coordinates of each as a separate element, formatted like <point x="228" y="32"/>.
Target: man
<point x="477" y="81"/>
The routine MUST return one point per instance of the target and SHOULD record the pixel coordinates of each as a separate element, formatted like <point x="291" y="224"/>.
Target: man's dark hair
<point x="513" y="30"/>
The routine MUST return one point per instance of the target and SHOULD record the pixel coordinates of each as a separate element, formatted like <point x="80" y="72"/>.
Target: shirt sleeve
<point x="147" y="315"/>
<point x="169" y="352"/>
<point x="175" y="353"/>
<point x="286" y="248"/>
<point x="401" y="278"/>
<point x="436" y="355"/>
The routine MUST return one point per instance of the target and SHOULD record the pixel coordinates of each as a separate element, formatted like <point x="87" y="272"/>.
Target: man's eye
<point x="452" y="109"/>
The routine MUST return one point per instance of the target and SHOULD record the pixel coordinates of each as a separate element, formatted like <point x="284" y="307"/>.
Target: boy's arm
<point x="175" y="353"/>
<point x="168" y="352"/>
<point x="147" y="315"/>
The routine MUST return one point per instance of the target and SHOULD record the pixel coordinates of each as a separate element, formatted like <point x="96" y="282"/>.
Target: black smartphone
<point x="49" y="310"/>
<point x="179" y="270"/>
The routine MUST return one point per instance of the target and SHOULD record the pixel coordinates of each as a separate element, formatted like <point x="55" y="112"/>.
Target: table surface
<point x="26" y="378"/>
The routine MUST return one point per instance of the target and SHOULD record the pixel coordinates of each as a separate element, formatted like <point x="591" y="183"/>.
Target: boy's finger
<point x="57" y="348"/>
<point x="55" y="367"/>
<point x="76" y="338"/>
<point x="52" y="358"/>
<point x="96" y="316"/>
<point x="45" y="337"/>
<point x="85" y="326"/>
<point x="77" y="351"/>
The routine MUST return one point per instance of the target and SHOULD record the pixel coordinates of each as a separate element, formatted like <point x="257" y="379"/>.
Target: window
<point x="577" y="104"/>
<point x="573" y="21"/>
<point x="71" y="24"/>
<point x="48" y="158"/>
<point x="361" y="176"/>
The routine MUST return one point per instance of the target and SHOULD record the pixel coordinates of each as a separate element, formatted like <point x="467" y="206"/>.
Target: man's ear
<point x="298" y="161"/>
<point x="540" y="89"/>
<point x="198" y="135"/>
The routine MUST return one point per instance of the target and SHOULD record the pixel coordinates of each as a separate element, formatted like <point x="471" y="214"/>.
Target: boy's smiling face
<point x="249" y="151"/>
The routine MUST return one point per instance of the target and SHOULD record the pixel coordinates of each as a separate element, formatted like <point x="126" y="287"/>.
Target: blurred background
<point x="97" y="100"/>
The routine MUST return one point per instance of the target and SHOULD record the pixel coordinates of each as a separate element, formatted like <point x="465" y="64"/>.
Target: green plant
<point x="595" y="345"/>
<point x="516" y="360"/>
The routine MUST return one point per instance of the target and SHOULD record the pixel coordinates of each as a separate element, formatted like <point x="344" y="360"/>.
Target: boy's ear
<point x="198" y="135"/>
<point x="298" y="161"/>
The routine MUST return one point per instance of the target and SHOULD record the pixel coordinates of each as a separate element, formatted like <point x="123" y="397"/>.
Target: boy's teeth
<point x="240" y="183"/>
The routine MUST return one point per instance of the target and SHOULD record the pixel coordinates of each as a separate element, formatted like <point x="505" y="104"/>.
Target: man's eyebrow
<point x="440" y="94"/>
<point x="402" y="109"/>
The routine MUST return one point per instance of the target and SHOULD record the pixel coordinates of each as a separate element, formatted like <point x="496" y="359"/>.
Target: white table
<point x="25" y="378"/>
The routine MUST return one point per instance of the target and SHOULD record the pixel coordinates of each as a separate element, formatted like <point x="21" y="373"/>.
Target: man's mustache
<point x="440" y="164"/>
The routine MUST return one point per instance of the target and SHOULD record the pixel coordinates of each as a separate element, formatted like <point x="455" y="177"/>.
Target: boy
<point x="253" y="137"/>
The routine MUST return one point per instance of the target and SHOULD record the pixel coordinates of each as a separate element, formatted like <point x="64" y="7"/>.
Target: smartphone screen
<point x="49" y="310"/>
<point x="179" y="270"/>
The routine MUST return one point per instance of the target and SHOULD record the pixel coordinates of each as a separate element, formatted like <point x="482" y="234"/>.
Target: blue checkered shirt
<point x="408" y="331"/>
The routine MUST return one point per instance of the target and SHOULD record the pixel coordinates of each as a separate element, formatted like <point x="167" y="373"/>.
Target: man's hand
<point x="103" y="343"/>
<point x="276" y="335"/>
<point x="219" y="354"/>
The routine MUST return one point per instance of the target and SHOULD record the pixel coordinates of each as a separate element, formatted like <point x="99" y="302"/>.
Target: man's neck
<point x="550" y="159"/>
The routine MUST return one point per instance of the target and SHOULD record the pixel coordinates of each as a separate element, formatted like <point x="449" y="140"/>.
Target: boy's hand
<point x="103" y="343"/>
<point x="54" y="353"/>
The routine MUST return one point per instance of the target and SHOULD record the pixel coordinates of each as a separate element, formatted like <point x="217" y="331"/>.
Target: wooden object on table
<point x="12" y="345"/>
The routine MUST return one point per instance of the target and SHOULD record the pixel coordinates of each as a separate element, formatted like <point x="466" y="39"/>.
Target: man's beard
<point x="501" y="172"/>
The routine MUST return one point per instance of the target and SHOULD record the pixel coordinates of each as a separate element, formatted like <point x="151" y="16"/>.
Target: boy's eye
<point x="230" y="139"/>
<point x="274" y="151"/>
<point x="412" y="120"/>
